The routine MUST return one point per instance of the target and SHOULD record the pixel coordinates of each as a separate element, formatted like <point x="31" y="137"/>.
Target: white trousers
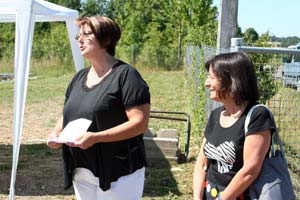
<point x="129" y="187"/>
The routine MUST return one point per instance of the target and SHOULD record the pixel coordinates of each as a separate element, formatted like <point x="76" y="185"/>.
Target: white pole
<point x="77" y="57"/>
<point x="23" y="44"/>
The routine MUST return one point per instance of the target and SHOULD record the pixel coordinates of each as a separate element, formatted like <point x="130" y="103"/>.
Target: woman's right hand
<point x="54" y="134"/>
<point x="51" y="141"/>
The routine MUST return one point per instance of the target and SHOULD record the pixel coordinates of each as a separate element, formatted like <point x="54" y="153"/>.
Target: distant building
<point x="274" y="44"/>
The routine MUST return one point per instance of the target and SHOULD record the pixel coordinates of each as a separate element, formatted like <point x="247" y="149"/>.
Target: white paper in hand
<point x="73" y="130"/>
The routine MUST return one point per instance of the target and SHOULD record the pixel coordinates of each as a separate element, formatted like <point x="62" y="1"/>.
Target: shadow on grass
<point x="160" y="182"/>
<point x="40" y="172"/>
<point x="159" y="179"/>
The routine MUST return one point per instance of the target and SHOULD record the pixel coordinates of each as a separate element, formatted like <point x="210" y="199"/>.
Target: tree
<point x="286" y="41"/>
<point x="267" y="85"/>
<point x="73" y="4"/>
<point x="160" y="44"/>
<point x="161" y="28"/>
<point x="201" y="22"/>
<point x="7" y="40"/>
<point x="94" y="7"/>
<point x="239" y="32"/>
<point x="153" y="31"/>
<point x="250" y="36"/>
<point x="133" y="16"/>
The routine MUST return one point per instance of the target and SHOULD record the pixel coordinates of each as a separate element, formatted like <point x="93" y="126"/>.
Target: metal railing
<point x="161" y="115"/>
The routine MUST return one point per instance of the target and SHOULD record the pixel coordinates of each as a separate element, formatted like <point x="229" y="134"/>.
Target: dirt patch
<point x="40" y="173"/>
<point x="39" y="120"/>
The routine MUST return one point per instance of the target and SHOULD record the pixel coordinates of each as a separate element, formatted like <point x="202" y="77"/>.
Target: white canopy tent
<point x="25" y="13"/>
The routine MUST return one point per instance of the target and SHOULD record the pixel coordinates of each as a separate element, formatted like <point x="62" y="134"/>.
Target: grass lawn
<point x="39" y="175"/>
<point x="40" y="172"/>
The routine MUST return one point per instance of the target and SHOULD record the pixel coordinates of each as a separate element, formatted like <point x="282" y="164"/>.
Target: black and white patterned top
<point x="224" y="146"/>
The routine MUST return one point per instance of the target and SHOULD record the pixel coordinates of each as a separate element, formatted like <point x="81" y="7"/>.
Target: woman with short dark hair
<point x="230" y="159"/>
<point x="237" y="75"/>
<point x="108" y="160"/>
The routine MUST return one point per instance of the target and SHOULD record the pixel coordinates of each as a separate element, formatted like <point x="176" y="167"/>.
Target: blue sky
<point x="280" y="17"/>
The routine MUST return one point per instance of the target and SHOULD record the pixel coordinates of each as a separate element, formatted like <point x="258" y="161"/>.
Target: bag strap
<point x="275" y="136"/>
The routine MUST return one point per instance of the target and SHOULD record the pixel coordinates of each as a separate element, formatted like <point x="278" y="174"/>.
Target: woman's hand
<point x="84" y="141"/>
<point x="54" y="134"/>
<point x="51" y="141"/>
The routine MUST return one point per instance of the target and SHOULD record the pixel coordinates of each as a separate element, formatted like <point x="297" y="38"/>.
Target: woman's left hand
<point x="84" y="141"/>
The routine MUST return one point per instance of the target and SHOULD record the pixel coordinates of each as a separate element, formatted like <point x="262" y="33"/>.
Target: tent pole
<point x="24" y="24"/>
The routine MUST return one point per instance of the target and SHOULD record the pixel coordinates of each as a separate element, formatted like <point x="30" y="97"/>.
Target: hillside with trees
<point x="286" y="41"/>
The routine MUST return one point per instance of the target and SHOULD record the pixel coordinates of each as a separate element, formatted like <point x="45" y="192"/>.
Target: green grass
<point x="47" y="80"/>
<point x="5" y="166"/>
<point x="169" y="92"/>
<point x="38" y="90"/>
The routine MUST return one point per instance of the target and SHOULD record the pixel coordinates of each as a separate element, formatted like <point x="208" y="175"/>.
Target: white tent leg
<point x="23" y="46"/>
<point x="72" y="31"/>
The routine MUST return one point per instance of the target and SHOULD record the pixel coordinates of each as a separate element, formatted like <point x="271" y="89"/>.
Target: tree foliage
<point x="73" y="4"/>
<point x="250" y="36"/>
<point x="265" y="65"/>
<point x="7" y="40"/>
<point x="154" y="32"/>
<point x="158" y="30"/>
<point x="286" y="41"/>
<point x="94" y="7"/>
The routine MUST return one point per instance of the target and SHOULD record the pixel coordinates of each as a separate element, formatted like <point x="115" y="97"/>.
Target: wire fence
<point x="285" y="103"/>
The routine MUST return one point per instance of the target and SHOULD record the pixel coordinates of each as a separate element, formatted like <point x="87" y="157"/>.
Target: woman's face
<point x="87" y="42"/>
<point x="213" y="83"/>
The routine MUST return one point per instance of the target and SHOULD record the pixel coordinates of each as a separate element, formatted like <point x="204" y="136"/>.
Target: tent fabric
<point x="44" y="11"/>
<point x="25" y="13"/>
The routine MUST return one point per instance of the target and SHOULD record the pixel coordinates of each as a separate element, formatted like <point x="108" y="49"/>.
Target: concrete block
<point x="167" y="133"/>
<point x="155" y="152"/>
<point x="162" y="149"/>
<point x="162" y="143"/>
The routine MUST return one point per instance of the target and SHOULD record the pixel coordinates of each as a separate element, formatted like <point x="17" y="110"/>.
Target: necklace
<point x="100" y="73"/>
<point x="237" y="114"/>
<point x="227" y="119"/>
<point x="94" y="77"/>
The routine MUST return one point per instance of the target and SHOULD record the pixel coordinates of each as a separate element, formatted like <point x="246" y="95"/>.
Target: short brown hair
<point x="107" y="32"/>
<point x="237" y="75"/>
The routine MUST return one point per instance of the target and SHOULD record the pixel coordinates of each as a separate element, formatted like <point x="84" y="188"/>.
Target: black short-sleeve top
<point x="224" y="146"/>
<point x="105" y="105"/>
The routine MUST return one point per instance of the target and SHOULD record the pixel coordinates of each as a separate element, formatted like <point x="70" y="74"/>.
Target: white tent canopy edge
<point x="25" y="13"/>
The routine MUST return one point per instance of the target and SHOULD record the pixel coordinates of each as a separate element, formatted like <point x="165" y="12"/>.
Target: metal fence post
<point x="235" y="44"/>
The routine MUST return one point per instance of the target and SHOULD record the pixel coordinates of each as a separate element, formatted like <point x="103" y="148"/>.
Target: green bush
<point x="52" y="44"/>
